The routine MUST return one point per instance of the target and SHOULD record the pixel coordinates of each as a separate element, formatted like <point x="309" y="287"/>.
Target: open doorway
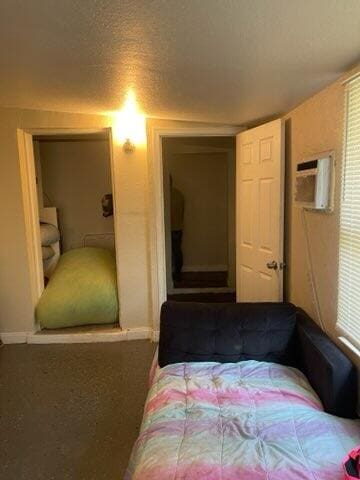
<point x="259" y="175"/>
<point x="199" y="215"/>
<point x="75" y="217"/>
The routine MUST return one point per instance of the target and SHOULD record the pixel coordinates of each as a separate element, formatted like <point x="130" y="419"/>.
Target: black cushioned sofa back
<point x="272" y="332"/>
<point x="329" y="371"/>
<point x="226" y="332"/>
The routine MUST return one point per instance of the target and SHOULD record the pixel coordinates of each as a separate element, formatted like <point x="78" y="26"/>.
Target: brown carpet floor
<point x="71" y="411"/>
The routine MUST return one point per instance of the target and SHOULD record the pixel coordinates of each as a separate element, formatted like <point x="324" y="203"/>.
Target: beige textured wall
<point x="75" y="177"/>
<point x="16" y="312"/>
<point x="315" y="126"/>
<point x="202" y="179"/>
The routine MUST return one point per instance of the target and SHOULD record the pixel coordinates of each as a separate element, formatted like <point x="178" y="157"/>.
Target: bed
<point x="250" y="392"/>
<point x="81" y="291"/>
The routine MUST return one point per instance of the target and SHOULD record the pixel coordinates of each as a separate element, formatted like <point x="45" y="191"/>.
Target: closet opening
<point x="75" y="227"/>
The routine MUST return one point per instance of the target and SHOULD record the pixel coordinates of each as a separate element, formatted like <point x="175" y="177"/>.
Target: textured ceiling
<point x="230" y="61"/>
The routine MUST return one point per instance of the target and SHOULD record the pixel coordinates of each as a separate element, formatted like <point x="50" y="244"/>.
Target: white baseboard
<point x="155" y="336"/>
<point x="14" y="337"/>
<point x="41" y="338"/>
<point x="204" y="268"/>
<point x="138" y="333"/>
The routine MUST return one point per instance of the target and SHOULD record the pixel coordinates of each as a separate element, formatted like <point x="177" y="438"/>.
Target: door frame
<point x="156" y="203"/>
<point x="30" y="201"/>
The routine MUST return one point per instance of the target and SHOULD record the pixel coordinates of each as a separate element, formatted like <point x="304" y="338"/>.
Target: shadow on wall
<point x="288" y="208"/>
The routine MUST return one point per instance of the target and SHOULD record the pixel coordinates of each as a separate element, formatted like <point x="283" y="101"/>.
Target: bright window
<point x="349" y="254"/>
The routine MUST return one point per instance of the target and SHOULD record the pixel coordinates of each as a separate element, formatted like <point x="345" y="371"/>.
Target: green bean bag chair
<point x="81" y="291"/>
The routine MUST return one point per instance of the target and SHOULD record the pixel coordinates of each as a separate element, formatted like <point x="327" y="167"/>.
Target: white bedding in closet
<point x="49" y="234"/>
<point x="47" y="252"/>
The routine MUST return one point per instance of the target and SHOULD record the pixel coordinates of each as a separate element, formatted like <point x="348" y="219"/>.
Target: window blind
<point x="349" y="249"/>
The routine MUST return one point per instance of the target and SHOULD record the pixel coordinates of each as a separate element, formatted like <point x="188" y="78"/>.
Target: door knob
<point x="272" y="265"/>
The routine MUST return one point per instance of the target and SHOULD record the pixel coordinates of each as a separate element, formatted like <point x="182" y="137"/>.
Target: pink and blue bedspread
<point x="238" y="421"/>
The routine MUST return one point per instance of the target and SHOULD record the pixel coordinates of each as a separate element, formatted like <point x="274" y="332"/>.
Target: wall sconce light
<point x="129" y="125"/>
<point x="128" y="146"/>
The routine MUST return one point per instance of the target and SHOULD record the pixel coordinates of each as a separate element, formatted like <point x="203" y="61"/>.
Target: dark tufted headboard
<point x="231" y="332"/>
<point x="273" y="332"/>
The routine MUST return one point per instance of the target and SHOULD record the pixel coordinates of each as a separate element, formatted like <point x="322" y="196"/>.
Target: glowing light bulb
<point x="129" y="124"/>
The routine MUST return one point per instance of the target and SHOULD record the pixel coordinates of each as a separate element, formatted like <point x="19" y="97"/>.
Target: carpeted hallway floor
<point x="71" y="411"/>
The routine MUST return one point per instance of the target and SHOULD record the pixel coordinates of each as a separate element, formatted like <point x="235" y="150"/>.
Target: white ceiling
<point x="229" y="61"/>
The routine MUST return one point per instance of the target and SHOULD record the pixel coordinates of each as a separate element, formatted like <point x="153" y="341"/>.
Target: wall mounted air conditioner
<point x="314" y="182"/>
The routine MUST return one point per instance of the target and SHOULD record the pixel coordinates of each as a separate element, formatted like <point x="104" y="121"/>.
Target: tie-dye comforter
<point x="238" y="421"/>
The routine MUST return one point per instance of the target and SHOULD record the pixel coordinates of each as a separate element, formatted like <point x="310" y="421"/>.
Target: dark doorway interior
<point x="199" y="213"/>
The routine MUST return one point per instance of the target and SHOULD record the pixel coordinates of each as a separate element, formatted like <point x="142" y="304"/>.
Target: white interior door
<point x="260" y="213"/>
